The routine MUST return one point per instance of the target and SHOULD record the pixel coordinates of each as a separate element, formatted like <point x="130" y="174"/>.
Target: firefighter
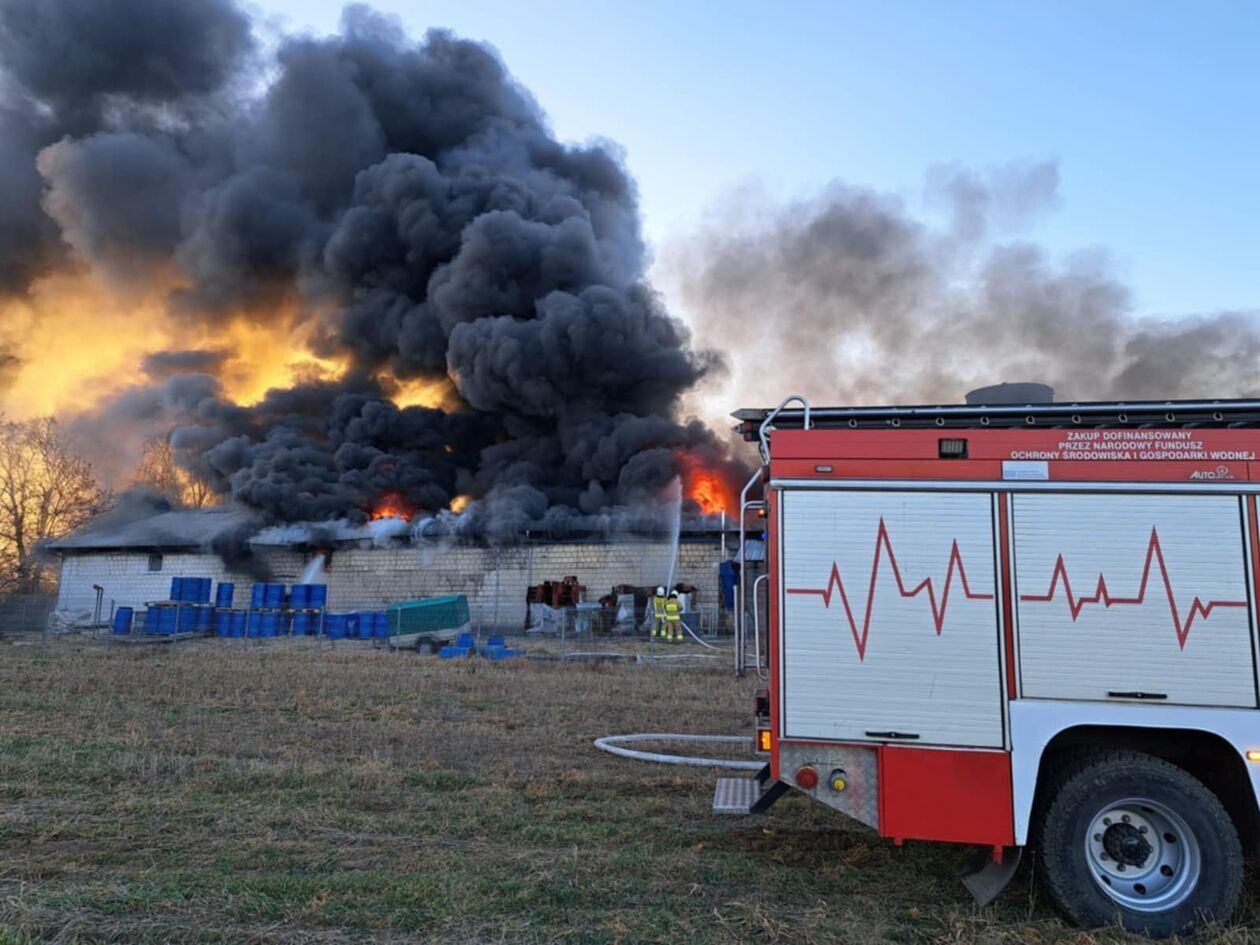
<point x="658" y="612"/>
<point x="673" y="618"/>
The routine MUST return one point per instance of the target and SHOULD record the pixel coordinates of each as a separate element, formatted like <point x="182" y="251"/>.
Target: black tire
<point x="1084" y="788"/>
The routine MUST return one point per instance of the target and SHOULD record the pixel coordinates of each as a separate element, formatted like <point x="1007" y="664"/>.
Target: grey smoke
<point x="410" y="198"/>
<point x="10" y="364"/>
<point x="851" y="297"/>
<point x="163" y="364"/>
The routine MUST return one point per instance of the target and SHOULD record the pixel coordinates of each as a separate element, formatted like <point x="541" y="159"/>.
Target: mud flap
<point x="987" y="877"/>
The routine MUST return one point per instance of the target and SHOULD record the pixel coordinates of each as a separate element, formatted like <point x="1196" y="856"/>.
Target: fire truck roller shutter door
<point x="890" y="629"/>
<point x="1125" y="597"/>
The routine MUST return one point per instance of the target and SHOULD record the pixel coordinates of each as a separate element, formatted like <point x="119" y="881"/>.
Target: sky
<point x="1149" y="109"/>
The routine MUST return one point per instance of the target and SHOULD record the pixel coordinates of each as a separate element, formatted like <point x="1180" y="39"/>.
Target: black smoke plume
<point x="412" y="200"/>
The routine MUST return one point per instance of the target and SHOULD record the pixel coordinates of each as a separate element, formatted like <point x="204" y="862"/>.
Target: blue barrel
<point x="224" y="594"/>
<point x="317" y="595"/>
<point x="236" y="626"/>
<point x="122" y="620"/>
<point x="269" y="625"/>
<point x="380" y="625"/>
<point x="255" y="624"/>
<point x="273" y="596"/>
<point x="205" y="618"/>
<point x="352" y="626"/>
<point x="256" y="596"/>
<point x="168" y="619"/>
<point x="335" y="626"/>
<point x="303" y="624"/>
<point x="177" y="589"/>
<point x="204" y="588"/>
<point x="300" y="597"/>
<point x="728" y="578"/>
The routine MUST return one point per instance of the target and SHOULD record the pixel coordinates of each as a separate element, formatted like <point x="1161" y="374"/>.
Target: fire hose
<point x="613" y="744"/>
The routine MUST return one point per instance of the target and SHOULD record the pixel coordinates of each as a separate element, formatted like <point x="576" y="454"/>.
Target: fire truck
<point x="1016" y="627"/>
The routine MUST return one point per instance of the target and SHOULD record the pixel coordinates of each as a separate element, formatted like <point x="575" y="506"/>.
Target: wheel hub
<point x="1125" y="844"/>
<point x="1142" y="855"/>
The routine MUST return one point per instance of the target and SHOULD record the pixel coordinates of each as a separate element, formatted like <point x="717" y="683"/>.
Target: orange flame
<point x="706" y="486"/>
<point x="392" y="505"/>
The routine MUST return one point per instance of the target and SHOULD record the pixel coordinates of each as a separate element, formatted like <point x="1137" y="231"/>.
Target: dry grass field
<point x="212" y="793"/>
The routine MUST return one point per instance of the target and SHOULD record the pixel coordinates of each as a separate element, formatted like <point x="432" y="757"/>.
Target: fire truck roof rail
<point x="1115" y="413"/>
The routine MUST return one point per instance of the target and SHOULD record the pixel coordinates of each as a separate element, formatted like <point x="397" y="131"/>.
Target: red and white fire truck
<point x="1018" y="626"/>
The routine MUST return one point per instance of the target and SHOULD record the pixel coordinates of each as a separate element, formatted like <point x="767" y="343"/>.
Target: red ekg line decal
<point x="1154" y="553"/>
<point x="882" y="544"/>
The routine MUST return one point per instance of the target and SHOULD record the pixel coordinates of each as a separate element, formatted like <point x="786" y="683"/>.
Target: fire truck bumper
<point x="753" y="795"/>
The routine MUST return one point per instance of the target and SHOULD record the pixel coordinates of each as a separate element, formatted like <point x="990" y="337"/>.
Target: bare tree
<point x="46" y="490"/>
<point x="159" y="471"/>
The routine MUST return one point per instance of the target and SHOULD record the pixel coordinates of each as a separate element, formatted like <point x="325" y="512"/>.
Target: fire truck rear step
<point x="747" y="795"/>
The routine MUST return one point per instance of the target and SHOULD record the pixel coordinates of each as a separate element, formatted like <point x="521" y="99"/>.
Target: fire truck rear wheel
<point x="1128" y="837"/>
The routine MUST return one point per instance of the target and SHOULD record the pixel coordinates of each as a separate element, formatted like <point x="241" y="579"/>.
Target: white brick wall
<point x="128" y="582"/>
<point x="363" y="579"/>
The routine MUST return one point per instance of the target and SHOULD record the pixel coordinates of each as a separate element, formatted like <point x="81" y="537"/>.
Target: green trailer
<point x="433" y="619"/>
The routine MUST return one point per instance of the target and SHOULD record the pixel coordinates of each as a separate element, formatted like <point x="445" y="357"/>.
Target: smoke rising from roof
<point x="851" y="297"/>
<point x="407" y="201"/>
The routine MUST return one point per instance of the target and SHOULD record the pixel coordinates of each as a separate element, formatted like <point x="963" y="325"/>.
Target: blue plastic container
<point x="300" y="597"/>
<point x="380" y="625"/>
<point x="224" y="594"/>
<point x="335" y="626"/>
<point x="303" y="625"/>
<point x="236" y="623"/>
<point x="122" y="620"/>
<point x="256" y="596"/>
<point x="317" y="596"/>
<point x="255" y="624"/>
<point x="273" y="596"/>
<point x="728" y="578"/>
<point x="177" y="589"/>
<point x="268" y="625"/>
<point x="161" y="619"/>
<point x="204" y="618"/>
<point x="352" y="626"/>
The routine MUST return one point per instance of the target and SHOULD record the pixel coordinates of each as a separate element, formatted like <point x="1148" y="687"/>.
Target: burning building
<point x="345" y="278"/>
<point x="370" y="566"/>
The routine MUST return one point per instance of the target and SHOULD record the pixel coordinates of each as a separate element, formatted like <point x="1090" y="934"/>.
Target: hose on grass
<point x="613" y="744"/>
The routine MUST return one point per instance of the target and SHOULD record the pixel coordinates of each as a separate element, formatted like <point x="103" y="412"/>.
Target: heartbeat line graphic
<point x="884" y="546"/>
<point x="1154" y="555"/>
